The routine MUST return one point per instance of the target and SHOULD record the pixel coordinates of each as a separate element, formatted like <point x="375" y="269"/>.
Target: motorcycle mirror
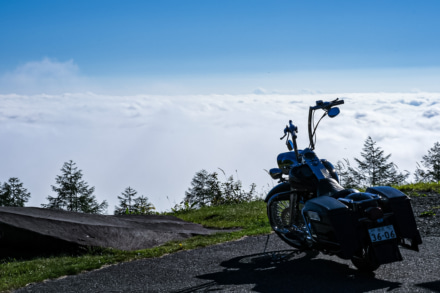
<point x="289" y="144"/>
<point x="275" y="173"/>
<point x="333" y="112"/>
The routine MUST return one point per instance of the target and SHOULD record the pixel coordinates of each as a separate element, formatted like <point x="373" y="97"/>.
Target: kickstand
<point x="267" y="241"/>
<point x="279" y="255"/>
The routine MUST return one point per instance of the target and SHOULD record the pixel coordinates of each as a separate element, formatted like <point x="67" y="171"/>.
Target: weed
<point x="429" y="213"/>
<point x="420" y="187"/>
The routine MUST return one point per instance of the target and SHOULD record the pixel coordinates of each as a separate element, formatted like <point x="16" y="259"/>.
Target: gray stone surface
<point x="19" y="226"/>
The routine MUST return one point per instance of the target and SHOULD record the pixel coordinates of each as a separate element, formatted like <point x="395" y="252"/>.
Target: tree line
<point x="375" y="168"/>
<point x="74" y="194"/>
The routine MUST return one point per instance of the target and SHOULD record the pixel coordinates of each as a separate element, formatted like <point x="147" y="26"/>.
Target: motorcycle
<point x="310" y="210"/>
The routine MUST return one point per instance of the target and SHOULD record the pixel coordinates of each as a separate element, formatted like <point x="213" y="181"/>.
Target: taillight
<point x="374" y="213"/>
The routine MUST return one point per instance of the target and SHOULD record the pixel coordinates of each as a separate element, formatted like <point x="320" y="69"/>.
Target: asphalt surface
<point x="242" y="266"/>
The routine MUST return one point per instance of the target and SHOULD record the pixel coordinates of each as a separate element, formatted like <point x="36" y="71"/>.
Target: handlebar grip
<point x="327" y="105"/>
<point x="337" y="102"/>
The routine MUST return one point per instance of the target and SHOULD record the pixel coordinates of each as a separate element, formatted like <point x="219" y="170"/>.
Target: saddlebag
<point x="398" y="203"/>
<point x="331" y="224"/>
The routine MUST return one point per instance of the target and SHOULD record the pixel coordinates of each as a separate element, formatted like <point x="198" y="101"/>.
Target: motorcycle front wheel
<point x="278" y="213"/>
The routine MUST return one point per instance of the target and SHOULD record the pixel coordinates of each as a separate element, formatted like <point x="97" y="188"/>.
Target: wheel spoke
<point x="279" y="216"/>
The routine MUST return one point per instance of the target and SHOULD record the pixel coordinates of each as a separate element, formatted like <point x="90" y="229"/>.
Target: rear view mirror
<point x="275" y="173"/>
<point x="333" y="112"/>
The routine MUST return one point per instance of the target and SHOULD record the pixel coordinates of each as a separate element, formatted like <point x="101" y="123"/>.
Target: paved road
<point x="241" y="266"/>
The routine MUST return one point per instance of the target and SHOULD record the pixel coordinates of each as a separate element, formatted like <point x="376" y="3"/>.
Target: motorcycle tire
<point x="279" y="219"/>
<point x="364" y="260"/>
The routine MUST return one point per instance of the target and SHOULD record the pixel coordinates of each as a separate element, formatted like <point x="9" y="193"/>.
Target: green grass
<point x="418" y="189"/>
<point x="429" y="213"/>
<point x="250" y="218"/>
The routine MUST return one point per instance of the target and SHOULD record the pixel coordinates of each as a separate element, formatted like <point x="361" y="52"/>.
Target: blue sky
<point x="147" y="93"/>
<point x="198" y="38"/>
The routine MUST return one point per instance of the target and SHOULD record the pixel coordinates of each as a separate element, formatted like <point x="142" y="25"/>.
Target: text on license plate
<point x="382" y="233"/>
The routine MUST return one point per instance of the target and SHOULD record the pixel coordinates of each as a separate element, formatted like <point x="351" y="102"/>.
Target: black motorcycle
<point x="310" y="210"/>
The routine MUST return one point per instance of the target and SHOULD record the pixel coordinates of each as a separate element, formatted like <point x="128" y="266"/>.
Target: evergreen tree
<point x="375" y="169"/>
<point x="73" y="193"/>
<point x="431" y="162"/>
<point x="142" y="206"/>
<point x="131" y="205"/>
<point x="13" y="194"/>
<point x="126" y="201"/>
<point x="205" y="189"/>
<point x="208" y="190"/>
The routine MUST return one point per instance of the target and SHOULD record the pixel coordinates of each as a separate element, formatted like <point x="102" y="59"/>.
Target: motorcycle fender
<point x="399" y="204"/>
<point x="282" y="187"/>
<point x="387" y="252"/>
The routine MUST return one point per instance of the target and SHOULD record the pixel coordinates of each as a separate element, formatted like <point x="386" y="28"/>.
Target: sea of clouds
<point x="50" y="113"/>
<point x="156" y="143"/>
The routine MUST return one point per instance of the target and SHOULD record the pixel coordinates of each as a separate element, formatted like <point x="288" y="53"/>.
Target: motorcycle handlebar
<point x="327" y="105"/>
<point x="292" y="129"/>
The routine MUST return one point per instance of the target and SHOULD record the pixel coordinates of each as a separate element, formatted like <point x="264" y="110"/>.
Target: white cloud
<point x="47" y="68"/>
<point x="44" y="76"/>
<point x="156" y="143"/>
<point x="430" y="113"/>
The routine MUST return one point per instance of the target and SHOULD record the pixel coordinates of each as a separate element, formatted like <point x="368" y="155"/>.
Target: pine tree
<point x="208" y="190"/>
<point x="142" y="206"/>
<point x="431" y="161"/>
<point x="205" y="189"/>
<point x="126" y="201"/>
<point x="13" y="194"/>
<point x="375" y="169"/>
<point x="73" y="193"/>
<point x="129" y="204"/>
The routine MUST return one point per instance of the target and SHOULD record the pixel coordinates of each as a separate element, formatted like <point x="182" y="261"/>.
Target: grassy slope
<point x="250" y="217"/>
<point x="417" y="188"/>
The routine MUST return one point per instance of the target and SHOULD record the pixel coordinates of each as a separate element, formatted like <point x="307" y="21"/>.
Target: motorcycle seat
<point x="344" y="193"/>
<point x="330" y="187"/>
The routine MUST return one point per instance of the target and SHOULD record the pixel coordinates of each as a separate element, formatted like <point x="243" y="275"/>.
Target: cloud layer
<point x="44" y="76"/>
<point x="155" y="143"/>
<point x="51" y="77"/>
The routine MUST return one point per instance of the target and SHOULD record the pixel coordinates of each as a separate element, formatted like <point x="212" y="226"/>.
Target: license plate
<point x="382" y="233"/>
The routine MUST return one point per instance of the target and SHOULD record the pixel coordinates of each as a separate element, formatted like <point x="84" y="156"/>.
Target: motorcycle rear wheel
<point x="364" y="260"/>
<point x="279" y="217"/>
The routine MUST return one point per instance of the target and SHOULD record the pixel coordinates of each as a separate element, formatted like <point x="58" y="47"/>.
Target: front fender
<point x="282" y="187"/>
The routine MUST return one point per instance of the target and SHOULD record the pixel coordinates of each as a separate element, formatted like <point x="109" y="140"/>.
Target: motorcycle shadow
<point x="293" y="271"/>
